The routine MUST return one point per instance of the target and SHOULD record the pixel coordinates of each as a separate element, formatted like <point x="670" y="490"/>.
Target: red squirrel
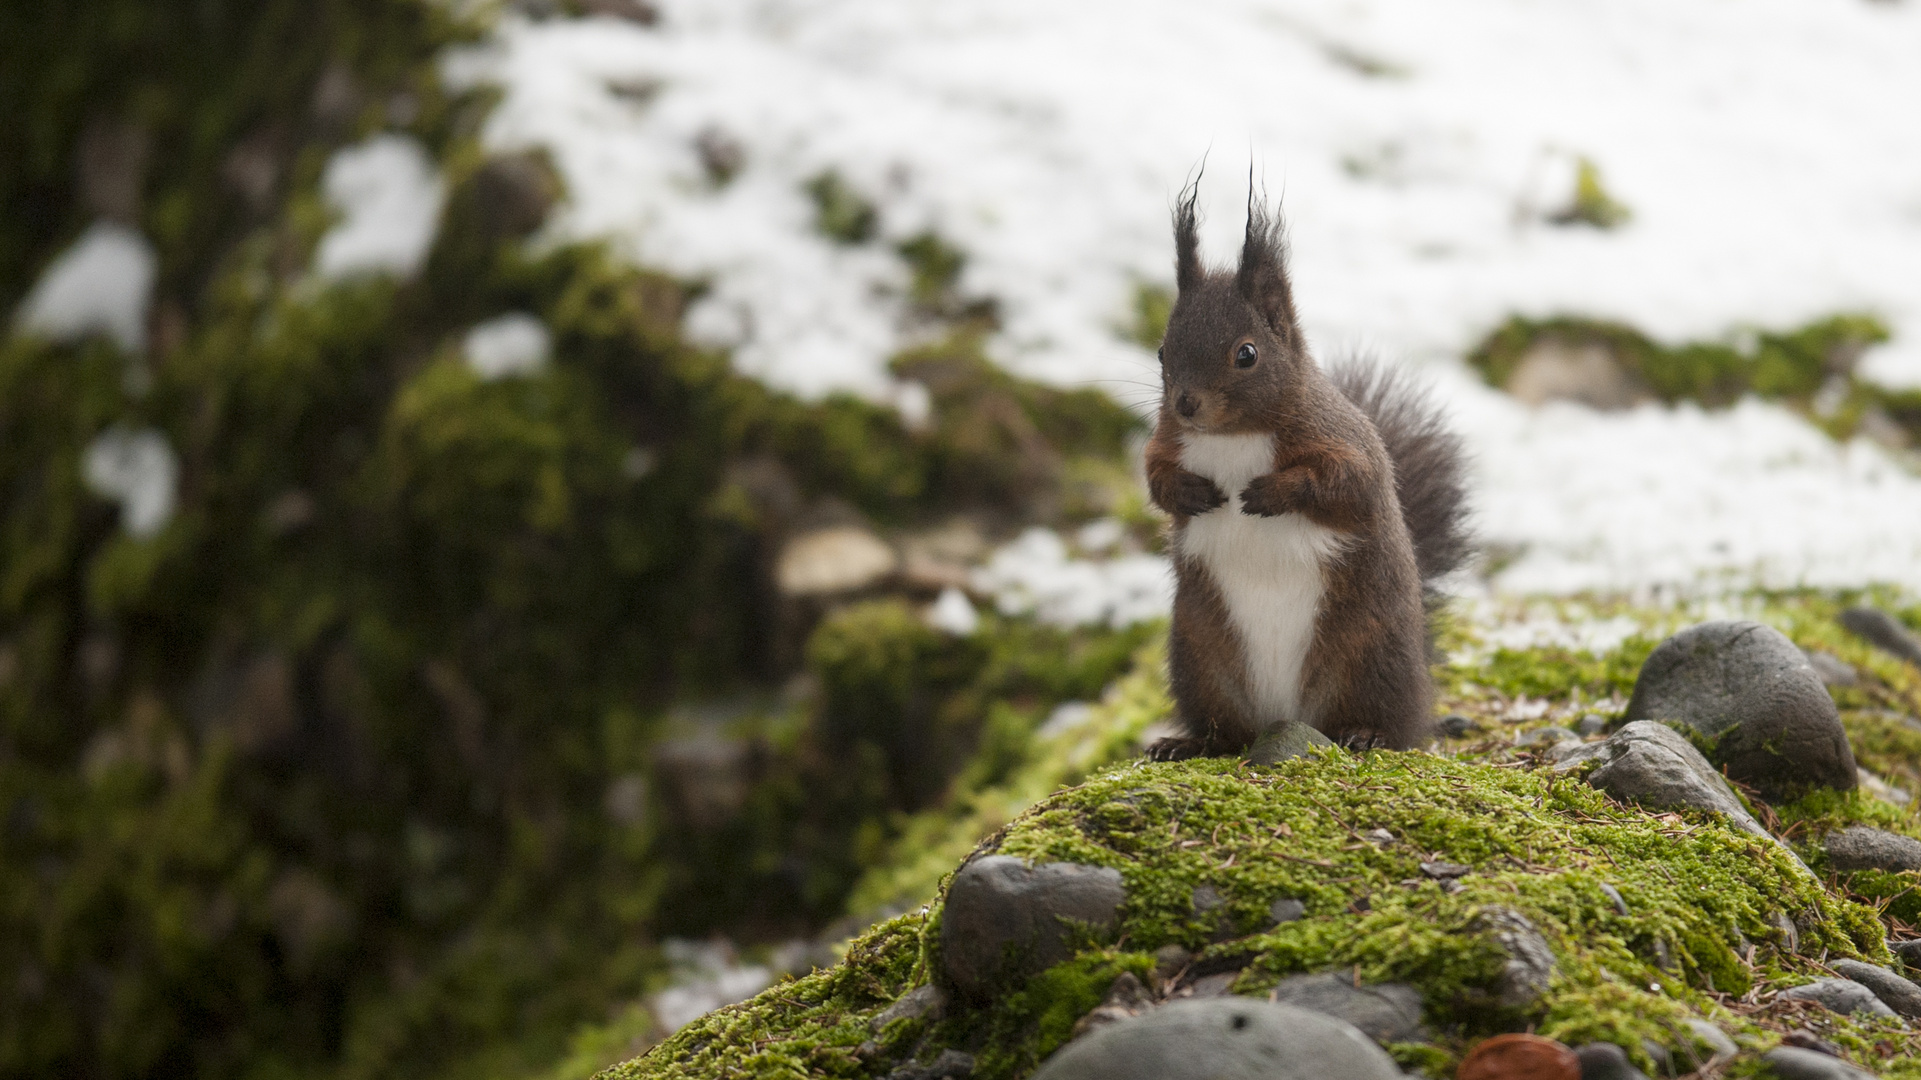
<point x="1312" y="514"/>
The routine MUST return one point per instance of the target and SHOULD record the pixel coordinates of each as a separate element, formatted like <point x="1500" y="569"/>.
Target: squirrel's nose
<point x="1186" y="404"/>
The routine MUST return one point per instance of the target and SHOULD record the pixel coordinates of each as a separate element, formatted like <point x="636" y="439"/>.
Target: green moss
<point x="1789" y="365"/>
<point x="1554" y="673"/>
<point x="1031" y="1021"/>
<point x="822" y="1019"/>
<point x="1153" y="305"/>
<point x="935" y="267"/>
<point x="841" y="213"/>
<point x="1592" y="204"/>
<point x="1540" y="844"/>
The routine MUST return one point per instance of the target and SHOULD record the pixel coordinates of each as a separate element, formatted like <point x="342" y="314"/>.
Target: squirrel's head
<point x="1233" y="349"/>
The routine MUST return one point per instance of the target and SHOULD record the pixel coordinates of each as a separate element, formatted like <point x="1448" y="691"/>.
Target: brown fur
<point x="1365" y="680"/>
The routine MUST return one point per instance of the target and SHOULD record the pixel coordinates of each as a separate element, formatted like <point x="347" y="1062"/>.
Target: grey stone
<point x="1556" y="368"/>
<point x="1655" y="766"/>
<point x="1384" y="1012"/>
<point x="1208" y="904"/>
<point x="997" y="902"/>
<point x="1286" y="910"/>
<point x="1894" y="991"/>
<point x="1606" y="1061"/>
<point x="1909" y="951"/>
<point x="1859" y="847"/>
<point x="1222" y="1039"/>
<point x="1840" y="995"/>
<point x="721" y="155"/>
<point x="1171" y="960"/>
<point x="1614" y="897"/>
<point x="950" y="1065"/>
<point x="1808" y="1040"/>
<point x="1547" y="735"/>
<point x="1883" y="631"/>
<point x="1833" y="670"/>
<point x="1793" y="1063"/>
<point x="1530" y="963"/>
<point x="1126" y="998"/>
<point x="1290" y="740"/>
<point x="1457" y="726"/>
<point x="513" y="194"/>
<point x="1218" y="984"/>
<point x="1749" y="688"/>
<point x="1784" y="926"/>
<point x="635" y="11"/>
<point x="1716" y="1039"/>
<point x="921" y="1003"/>
<point x="1592" y="725"/>
<point x="1442" y="871"/>
<point x="1881" y="789"/>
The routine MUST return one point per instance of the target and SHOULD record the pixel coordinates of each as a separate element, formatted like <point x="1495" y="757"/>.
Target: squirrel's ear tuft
<point x="1187" y="240"/>
<point x="1262" y="280"/>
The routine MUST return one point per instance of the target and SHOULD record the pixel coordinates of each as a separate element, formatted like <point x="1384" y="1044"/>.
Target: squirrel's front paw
<point x="1189" y="494"/>
<point x="1275" y="494"/>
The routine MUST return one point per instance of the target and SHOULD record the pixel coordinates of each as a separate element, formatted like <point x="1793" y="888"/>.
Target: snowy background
<point x="1768" y="150"/>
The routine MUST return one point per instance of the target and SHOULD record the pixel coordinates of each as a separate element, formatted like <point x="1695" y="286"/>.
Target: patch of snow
<point x="513" y="344"/>
<point x="1050" y="154"/>
<point x="1700" y="502"/>
<point x="1895" y="365"/>
<point x="100" y="285"/>
<point x="138" y="470"/>
<point x="1035" y="575"/>
<point x="953" y="613"/>
<point x="389" y="194"/>
<point x="707" y="976"/>
<point x="1419" y="148"/>
<point x="915" y="403"/>
<point x="1100" y="536"/>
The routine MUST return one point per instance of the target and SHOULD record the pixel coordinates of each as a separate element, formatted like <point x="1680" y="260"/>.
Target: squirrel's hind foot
<point x="1177" y="748"/>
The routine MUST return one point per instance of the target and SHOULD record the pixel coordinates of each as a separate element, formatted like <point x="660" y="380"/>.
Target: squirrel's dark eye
<point x="1245" y="355"/>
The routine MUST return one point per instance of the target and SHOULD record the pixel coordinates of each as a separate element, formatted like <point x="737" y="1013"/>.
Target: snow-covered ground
<point x="1767" y="150"/>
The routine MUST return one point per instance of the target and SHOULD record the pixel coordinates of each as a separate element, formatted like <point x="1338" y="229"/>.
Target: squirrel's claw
<point x="1176" y="748"/>
<point x="1191" y="494"/>
<point x="1271" y="496"/>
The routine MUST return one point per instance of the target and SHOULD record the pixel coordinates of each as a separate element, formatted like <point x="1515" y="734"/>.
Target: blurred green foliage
<point x="1592" y="204"/>
<point x="320" y="779"/>
<point x="195" y="81"/>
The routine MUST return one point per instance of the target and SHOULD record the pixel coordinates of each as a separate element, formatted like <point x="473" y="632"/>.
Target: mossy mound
<point x="1704" y="925"/>
<point x="1809" y="367"/>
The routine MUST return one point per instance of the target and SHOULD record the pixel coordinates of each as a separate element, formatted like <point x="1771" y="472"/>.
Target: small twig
<point x="1337" y="818"/>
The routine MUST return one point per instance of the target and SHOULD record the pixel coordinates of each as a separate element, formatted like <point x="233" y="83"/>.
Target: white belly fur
<point x="1268" y="570"/>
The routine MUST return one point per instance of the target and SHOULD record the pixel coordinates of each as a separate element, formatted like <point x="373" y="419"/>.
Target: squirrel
<point x="1312" y="515"/>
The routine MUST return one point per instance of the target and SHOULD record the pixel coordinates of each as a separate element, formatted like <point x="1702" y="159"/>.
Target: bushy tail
<point x="1429" y="464"/>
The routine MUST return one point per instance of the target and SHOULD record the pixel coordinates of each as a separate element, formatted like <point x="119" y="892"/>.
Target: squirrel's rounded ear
<point x="1262" y="280"/>
<point x="1187" y="240"/>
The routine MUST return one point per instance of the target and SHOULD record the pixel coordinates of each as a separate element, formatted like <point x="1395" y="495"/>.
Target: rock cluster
<point x="1719" y="701"/>
<point x="1748" y="689"/>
